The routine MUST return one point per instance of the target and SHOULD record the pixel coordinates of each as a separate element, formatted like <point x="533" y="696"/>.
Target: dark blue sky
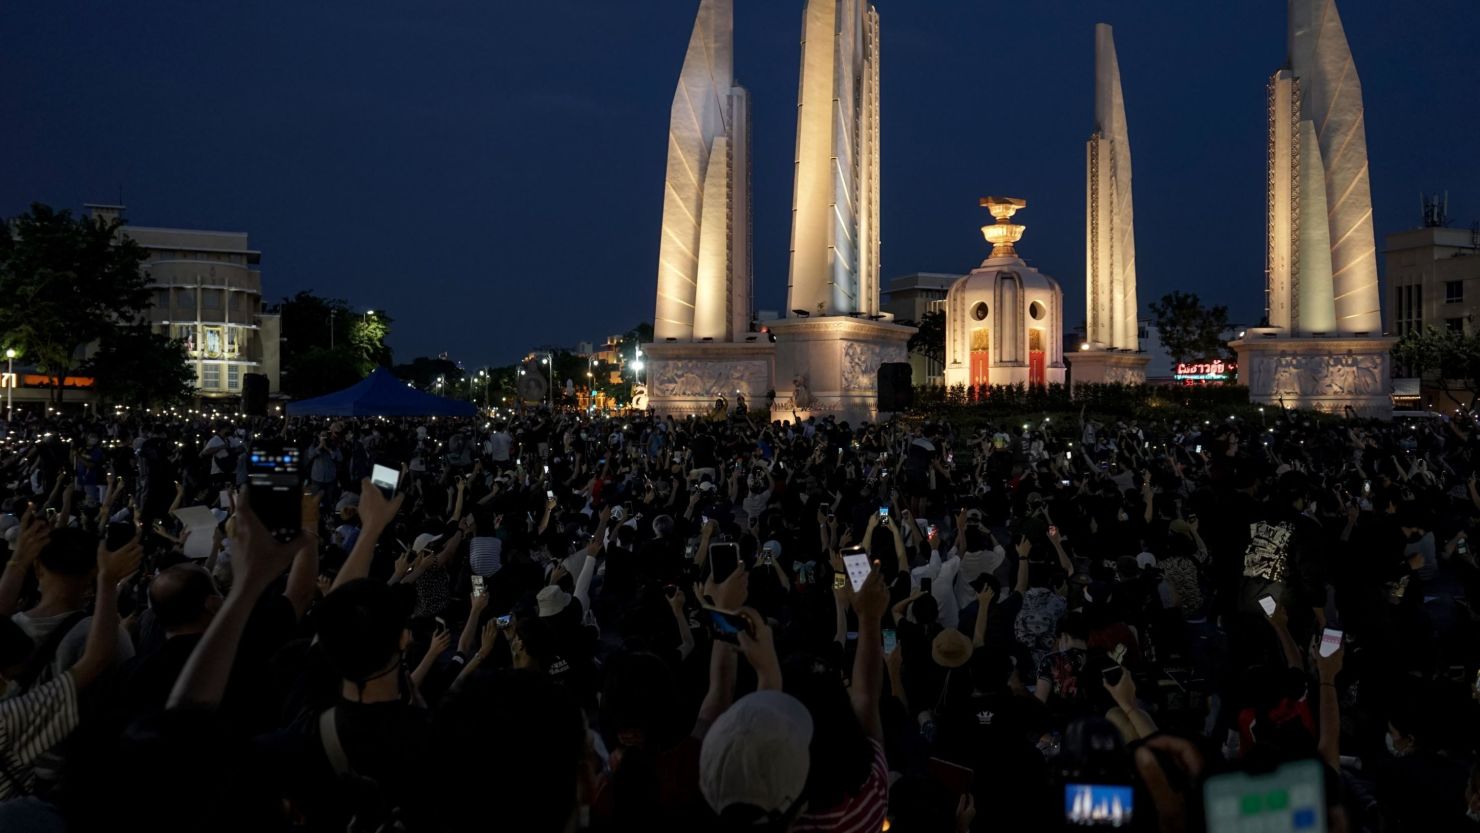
<point x="491" y="172"/>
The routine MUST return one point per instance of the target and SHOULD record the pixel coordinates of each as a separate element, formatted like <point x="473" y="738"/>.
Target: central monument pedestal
<point x="1107" y="367"/>
<point x="687" y="377"/>
<point x="830" y="365"/>
<point x="1317" y="373"/>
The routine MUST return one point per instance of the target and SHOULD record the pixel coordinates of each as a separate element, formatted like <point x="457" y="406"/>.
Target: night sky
<point x="491" y="172"/>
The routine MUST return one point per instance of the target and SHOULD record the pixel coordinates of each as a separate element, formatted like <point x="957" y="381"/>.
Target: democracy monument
<point x="1320" y="346"/>
<point x="827" y="350"/>
<point x="1112" y="348"/>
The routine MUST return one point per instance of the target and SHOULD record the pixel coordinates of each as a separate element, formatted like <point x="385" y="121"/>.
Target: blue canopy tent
<point x="381" y="394"/>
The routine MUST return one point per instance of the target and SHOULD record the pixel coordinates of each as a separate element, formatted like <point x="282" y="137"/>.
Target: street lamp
<point x="9" y="387"/>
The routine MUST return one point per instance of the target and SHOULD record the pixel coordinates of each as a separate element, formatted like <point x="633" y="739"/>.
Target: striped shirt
<point x="862" y="812"/>
<point x="30" y="725"/>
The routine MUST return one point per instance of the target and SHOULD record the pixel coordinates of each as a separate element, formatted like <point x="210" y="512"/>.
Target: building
<point x="1005" y="320"/>
<point x="208" y="293"/>
<point x="908" y="298"/>
<point x="1433" y="279"/>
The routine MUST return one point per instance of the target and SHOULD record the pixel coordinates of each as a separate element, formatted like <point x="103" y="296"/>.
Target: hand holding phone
<point x="856" y="564"/>
<point x="386" y="479"/>
<point x="1268" y="604"/>
<point x="1330" y="642"/>
<point x="725" y="625"/>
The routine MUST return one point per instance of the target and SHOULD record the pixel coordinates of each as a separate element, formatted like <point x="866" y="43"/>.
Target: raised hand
<point x="257" y="556"/>
<point x="731" y="593"/>
<point x="441" y="640"/>
<point x="116" y="565"/>
<point x="35" y="535"/>
<point x="490" y="633"/>
<point x="376" y="513"/>
<point x="872" y="599"/>
<point x="478" y="605"/>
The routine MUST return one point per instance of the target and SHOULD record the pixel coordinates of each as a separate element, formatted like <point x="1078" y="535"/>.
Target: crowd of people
<point x="545" y="621"/>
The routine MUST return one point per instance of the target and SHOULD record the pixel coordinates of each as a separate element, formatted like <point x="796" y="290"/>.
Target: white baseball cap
<point x="756" y="756"/>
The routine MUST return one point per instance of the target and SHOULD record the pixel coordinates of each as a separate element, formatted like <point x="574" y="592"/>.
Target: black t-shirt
<point x="386" y="743"/>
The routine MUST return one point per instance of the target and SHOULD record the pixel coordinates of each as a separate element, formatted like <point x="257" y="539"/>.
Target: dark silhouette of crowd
<point x="544" y="621"/>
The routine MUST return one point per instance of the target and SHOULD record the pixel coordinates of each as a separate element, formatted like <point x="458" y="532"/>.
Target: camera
<point x="1096" y="777"/>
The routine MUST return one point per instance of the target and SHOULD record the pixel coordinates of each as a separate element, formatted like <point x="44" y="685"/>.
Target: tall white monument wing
<point x="835" y="209"/>
<point x="1110" y="224"/>
<point x="700" y="123"/>
<point x="1322" y="61"/>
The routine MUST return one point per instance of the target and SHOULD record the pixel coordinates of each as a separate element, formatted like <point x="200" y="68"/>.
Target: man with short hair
<point x="182" y="602"/>
<point x="59" y="623"/>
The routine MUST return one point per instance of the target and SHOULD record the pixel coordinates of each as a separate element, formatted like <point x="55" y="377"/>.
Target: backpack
<point x="39" y="663"/>
<point x="368" y="802"/>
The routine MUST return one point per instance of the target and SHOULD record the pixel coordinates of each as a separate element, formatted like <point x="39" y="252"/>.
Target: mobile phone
<point x="839" y="581"/>
<point x="549" y="494"/>
<point x="1198" y="449"/>
<point x="547" y="468"/>
<point x="1069" y="455"/>
<point x="504" y="621"/>
<point x="1066" y="483"/>
<point x="386" y="479"/>
<point x="890" y="640"/>
<point x="274" y="487"/>
<point x="118" y="536"/>
<point x="1268" y="603"/>
<point x="1462" y="546"/>
<point x="1113" y="674"/>
<point x="925" y="584"/>
<point x="478" y="588"/>
<point x="1366" y="487"/>
<point x="1292" y="797"/>
<point x="1052" y="530"/>
<point x="724" y="557"/>
<point x="725" y="625"/>
<point x="855" y="562"/>
<point x="1330" y="641"/>
<point x="884" y="512"/>
<point x="1099" y="805"/>
<point x="958" y="779"/>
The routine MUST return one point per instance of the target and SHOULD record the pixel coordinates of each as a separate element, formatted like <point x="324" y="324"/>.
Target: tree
<point x="321" y="370"/>
<point x="930" y="341"/>
<point x="1446" y="358"/>
<point x="437" y="375"/>
<point x="140" y="368"/>
<point x="67" y="282"/>
<point x="1189" y="331"/>
<point x="328" y="330"/>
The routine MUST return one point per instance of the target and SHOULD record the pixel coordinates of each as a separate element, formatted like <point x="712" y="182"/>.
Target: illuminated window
<point x="233" y="377"/>
<point x="210" y="376"/>
<point x="979" y="312"/>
